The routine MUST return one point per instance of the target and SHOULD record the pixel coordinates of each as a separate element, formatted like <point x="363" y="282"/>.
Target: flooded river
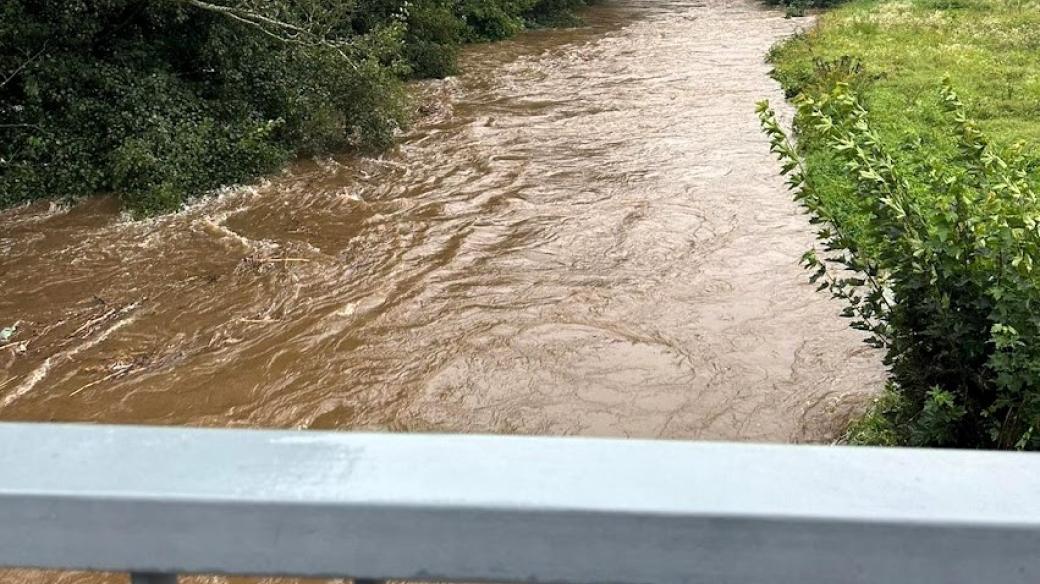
<point x="584" y="233"/>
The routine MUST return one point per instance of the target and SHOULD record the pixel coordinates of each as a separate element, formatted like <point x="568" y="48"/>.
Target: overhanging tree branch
<point x="277" y="29"/>
<point x="22" y="67"/>
<point x="246" y="16"/>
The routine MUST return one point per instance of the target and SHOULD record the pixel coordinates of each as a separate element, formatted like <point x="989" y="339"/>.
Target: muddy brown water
<point x="584" y="233"/>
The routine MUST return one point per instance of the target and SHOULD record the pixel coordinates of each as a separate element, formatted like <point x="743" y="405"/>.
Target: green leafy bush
<point x="156" y="100"/>
<point x="942" y="273"/>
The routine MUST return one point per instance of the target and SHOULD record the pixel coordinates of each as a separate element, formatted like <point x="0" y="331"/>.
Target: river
<point x="583" y="234"/>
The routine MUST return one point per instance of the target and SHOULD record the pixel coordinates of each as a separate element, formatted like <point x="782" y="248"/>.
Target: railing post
<point x="150" y="578"/>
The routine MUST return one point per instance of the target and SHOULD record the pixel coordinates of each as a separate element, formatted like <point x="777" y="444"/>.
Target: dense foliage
<point x="929" y="231"/>
<point x="157" y="100"/>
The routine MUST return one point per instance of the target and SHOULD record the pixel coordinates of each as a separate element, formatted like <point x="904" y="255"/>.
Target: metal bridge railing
<point x="163" y="501"/>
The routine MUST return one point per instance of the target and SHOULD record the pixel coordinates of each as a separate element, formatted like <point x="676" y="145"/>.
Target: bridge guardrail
<point x="157" y="502"/>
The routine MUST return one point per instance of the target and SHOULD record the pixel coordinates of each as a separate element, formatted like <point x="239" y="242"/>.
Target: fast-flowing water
<point x="584" y="233"/>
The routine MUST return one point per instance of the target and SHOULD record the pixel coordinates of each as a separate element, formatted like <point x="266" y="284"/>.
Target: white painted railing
<point x="158" y="502"/>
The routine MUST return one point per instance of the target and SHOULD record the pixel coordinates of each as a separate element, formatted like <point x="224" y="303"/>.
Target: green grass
<point x="990" y="48"/>
<point x="894" y="54"/>
<point x="876" y="427"/>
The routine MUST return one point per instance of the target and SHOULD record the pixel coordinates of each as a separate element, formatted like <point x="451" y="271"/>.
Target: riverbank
<point x="161" y="102"/>
<point x="890" y="57"/>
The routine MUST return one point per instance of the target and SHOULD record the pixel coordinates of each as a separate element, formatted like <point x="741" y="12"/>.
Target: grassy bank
<point x="930" y="194"/>
<point x="160" y="100"/>
<point x="989" y="48"/>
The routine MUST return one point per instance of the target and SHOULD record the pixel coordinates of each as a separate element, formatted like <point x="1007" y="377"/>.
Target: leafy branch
<point x="941" y="273"/>
<point x="310" y="29"/>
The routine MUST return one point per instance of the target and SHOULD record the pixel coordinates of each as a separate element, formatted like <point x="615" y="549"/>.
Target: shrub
<point x="158" y="100"/>
<point x="941" y="274"/>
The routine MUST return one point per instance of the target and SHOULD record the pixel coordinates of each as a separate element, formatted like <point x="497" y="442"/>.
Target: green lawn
<point x="990" y="48"/>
